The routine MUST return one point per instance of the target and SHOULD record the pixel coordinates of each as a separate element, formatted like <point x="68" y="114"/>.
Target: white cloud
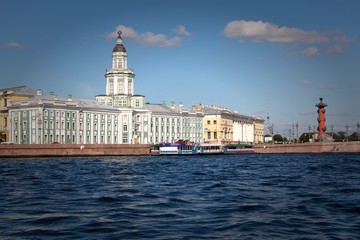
<point x="311" y="51"/>
<point x="14" y="45"/>
<point x="314" y="51"/>
<point x="147" y="39"/>
<point x="260" y="31"/>
<point x="180" y="29"/>
<point x="264" y="31"/>
<point x="305" y="84"/>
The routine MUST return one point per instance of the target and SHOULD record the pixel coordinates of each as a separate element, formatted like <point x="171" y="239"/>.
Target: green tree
<point x="305" y="137"/>
<point x="353" y="137"/>
<point x="278" y="138"/>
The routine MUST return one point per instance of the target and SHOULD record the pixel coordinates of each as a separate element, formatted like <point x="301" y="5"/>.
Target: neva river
<point x="299" y="196"/>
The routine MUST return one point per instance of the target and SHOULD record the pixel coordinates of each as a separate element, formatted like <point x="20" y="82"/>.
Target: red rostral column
<point x="321" y="119"/>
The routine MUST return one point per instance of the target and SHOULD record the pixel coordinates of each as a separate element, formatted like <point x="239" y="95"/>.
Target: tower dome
<point x="119" y="47"/>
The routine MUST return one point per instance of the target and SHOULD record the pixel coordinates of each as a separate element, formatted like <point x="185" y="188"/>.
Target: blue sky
<point x="234" y="54"/>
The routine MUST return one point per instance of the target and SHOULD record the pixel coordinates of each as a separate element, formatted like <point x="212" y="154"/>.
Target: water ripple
<point x="289" y="196"/>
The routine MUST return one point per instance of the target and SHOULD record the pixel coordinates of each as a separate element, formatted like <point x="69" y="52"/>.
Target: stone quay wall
<point x="70" y="150"/>
<point x="334" y="147"/>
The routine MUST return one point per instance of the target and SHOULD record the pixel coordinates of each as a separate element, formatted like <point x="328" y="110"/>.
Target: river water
<point x="295" y="196"/>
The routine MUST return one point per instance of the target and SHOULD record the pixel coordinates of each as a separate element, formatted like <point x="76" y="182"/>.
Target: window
<point x="137" y="103"/>
<point x="57" y="125"/>
<point x="208" y="121"/>
<point x="62" y="125"/>
<point x="214" y="121"/>
<point x="125" y="128"/>
<point x="68" y="115"/>
<point x="68" y="125"/>
<point x="130" y="88"/>
<point x="215" y="135"/>
<point x="121" y="87"/>
<point x="111" y="88"/>
<point x="73" y="115"/>
<point x="73" y="125"/>
<point x="209" y="135"/>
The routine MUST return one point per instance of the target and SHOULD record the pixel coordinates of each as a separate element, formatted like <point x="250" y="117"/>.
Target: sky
<point x="249" y="56"/>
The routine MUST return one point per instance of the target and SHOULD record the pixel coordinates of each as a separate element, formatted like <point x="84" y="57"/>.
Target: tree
<point x="278" y="138"/>
<point x="353" y="137"/>
<point x="305" y="137"/>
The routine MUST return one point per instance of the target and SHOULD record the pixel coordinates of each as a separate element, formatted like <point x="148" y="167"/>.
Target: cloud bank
<point x="14" y="45"/>
<point x="263" y="31"/>
<point x="180" y="29"/>
<point x="149" y="38"/>
<point x="305" y="84"/>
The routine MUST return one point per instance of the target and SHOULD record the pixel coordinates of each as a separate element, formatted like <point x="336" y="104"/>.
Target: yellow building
<point x="226" y="127"/>
<point x="7" y="95"/>
<point x="259" y="130"/>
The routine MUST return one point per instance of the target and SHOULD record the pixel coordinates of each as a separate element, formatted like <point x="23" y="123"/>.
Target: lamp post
<point x="347" y="134"/>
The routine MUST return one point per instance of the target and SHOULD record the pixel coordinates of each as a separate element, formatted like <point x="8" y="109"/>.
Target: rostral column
<point x="321" y="118"/>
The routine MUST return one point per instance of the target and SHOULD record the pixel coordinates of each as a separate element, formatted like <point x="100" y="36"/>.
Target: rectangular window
<point x="208" y="121"/>
<point x="209" y="135"/>
<point x="215" y="135"/>
<point x="214" y="121"/>
<point x="125" y="128"/>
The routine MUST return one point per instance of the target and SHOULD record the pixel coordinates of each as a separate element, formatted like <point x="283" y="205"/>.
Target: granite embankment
<point x="334" y="147"/>
<point x="67" y="150"/>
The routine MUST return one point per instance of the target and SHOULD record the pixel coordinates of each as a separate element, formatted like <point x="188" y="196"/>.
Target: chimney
<point x="211" y="106"/>
<point x="163" y="103"/>
<point x="193" y="107"/>
<point x="39" y="92"/>
<point x="236" y="111"/>
<point x="181" y="104"/>
<point x="173" y="104"/>
<point x="199" y="107"/>
<point x="207" y="105"/>
<point x="52" y="93"/>
<point x="69" y="97"/>
<point x="203" y="105"/>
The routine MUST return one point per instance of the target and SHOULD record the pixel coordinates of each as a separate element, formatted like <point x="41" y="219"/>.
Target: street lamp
<point x="347" y="134"/>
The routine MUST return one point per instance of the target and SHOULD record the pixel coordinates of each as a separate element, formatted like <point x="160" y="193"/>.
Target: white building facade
<point x="172" y="123"/>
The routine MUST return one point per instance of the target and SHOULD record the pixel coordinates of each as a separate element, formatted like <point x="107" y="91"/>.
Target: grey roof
<point x="56" y="101"/>
<point x="160" y="109"/>
<point x="212" y="111"/>
<point x="19" y="91"/>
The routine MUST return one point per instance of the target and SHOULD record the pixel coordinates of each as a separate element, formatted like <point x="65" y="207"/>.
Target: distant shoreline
<point x="81" y="150"/>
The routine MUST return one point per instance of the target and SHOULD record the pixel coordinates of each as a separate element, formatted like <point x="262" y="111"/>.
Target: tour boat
<point x="238" y="149"/>
<point x="184" y="148"/>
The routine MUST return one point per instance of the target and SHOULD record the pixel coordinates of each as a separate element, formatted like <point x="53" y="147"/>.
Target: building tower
<point x="120" y="81"/>
<point x="321" y="117"/>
